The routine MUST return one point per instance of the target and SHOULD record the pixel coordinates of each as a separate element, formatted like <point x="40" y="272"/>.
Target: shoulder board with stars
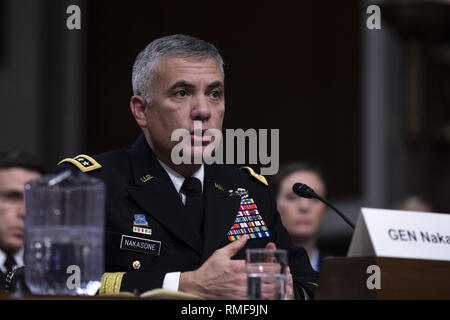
<point x="83" y="162"/>
<point x="259" y="177"/>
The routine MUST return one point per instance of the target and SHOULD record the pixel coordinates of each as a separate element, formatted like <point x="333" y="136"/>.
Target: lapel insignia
<point x="218" y="186"/>
<point x="140" y="220"/>
<point x="146" y="178"/>
<point x="248" y="219"/>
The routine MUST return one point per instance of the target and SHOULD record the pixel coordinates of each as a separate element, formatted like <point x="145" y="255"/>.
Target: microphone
<point x="304" y="191"/>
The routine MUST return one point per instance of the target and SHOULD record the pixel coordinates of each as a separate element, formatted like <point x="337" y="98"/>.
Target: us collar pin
<point x="146" y="178"/>
<point x="218" y="186"/>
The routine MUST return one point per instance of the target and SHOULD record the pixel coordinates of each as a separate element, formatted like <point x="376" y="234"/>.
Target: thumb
<point x="270" y="256"/>
<point x="233" y="248"/>
<point x="271" y="246"/>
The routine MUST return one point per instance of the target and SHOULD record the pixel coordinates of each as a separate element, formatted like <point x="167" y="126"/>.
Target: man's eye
<point x="11" y="196"/>
<point x="216" y="94"/>
<point x="181" y="93"/>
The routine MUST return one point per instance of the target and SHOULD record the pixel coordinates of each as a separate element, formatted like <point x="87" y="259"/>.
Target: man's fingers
<point x="289" y="279"/>
<point x="290" y="285"/>
<point x="270" y="256"/>
<point x="231" y="249"/>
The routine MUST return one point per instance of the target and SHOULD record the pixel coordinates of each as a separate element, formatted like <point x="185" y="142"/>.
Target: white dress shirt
<point x="18" y="257"/>
<point x="172" y="279"/>
<point x="315" y="259"/>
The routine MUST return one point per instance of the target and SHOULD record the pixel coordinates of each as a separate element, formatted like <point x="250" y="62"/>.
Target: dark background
<point x="292" y="66"/>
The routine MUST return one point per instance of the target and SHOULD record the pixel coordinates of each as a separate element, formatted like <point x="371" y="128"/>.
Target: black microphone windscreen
<point x="303" y="190"/>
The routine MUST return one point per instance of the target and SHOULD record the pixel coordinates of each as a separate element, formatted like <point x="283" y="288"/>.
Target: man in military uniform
<point x="16" y="168"/>
<point x="178" y="226"/>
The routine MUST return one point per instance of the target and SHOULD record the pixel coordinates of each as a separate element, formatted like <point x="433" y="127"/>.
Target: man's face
<point x="12" y="207"/>
<point x="183" y="91"/>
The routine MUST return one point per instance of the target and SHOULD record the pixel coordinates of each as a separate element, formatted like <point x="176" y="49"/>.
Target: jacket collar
<point x="155" y="193"/>
<point x="152" y="186"/>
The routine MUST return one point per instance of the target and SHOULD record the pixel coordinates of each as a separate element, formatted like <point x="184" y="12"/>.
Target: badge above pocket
<point x="140" y="223"/>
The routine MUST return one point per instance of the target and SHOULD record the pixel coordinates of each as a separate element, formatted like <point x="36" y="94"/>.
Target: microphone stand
<point x="335" y="209"/>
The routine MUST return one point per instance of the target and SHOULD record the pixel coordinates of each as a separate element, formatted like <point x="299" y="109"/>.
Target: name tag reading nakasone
<point x="140" y="245"/>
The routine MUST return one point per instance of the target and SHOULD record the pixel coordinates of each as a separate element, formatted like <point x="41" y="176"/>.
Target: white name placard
<point x="401" y="234"/>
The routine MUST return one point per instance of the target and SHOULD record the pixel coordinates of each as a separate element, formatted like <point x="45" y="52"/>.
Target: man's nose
<point x="201" y="109"/>
<point x="21" y="210"/>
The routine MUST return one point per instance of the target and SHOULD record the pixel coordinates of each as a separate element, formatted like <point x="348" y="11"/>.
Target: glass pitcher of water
<point x="64" y="228"/>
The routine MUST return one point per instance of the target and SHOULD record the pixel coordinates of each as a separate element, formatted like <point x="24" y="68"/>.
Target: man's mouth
<point x="198" y="136"/>
<point x="17" y="232"/>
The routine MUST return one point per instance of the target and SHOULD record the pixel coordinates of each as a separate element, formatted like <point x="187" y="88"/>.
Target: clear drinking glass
<point x="64" y="228"/>
<point x="266" y="274"/>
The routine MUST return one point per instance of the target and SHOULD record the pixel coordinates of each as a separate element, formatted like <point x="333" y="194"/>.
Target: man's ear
<point x="138" y="106"/>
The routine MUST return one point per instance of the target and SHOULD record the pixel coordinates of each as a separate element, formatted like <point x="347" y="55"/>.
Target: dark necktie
<point x="192" y="188"/>
<point x="9" y="263"/>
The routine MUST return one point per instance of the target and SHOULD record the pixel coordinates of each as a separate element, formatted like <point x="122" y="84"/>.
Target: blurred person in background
<point x="414" y="203"/>
<point x="302" y="217"/>
<point x="16" y="168"/>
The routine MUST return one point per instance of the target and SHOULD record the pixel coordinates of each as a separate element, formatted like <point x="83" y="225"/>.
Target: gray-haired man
<point x="174" y="226"/>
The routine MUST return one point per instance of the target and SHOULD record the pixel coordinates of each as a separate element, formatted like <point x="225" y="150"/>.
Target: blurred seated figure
<point x="300" y="216"/>
<point x="16" y="168"/>
<point x="414" y="203"/>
